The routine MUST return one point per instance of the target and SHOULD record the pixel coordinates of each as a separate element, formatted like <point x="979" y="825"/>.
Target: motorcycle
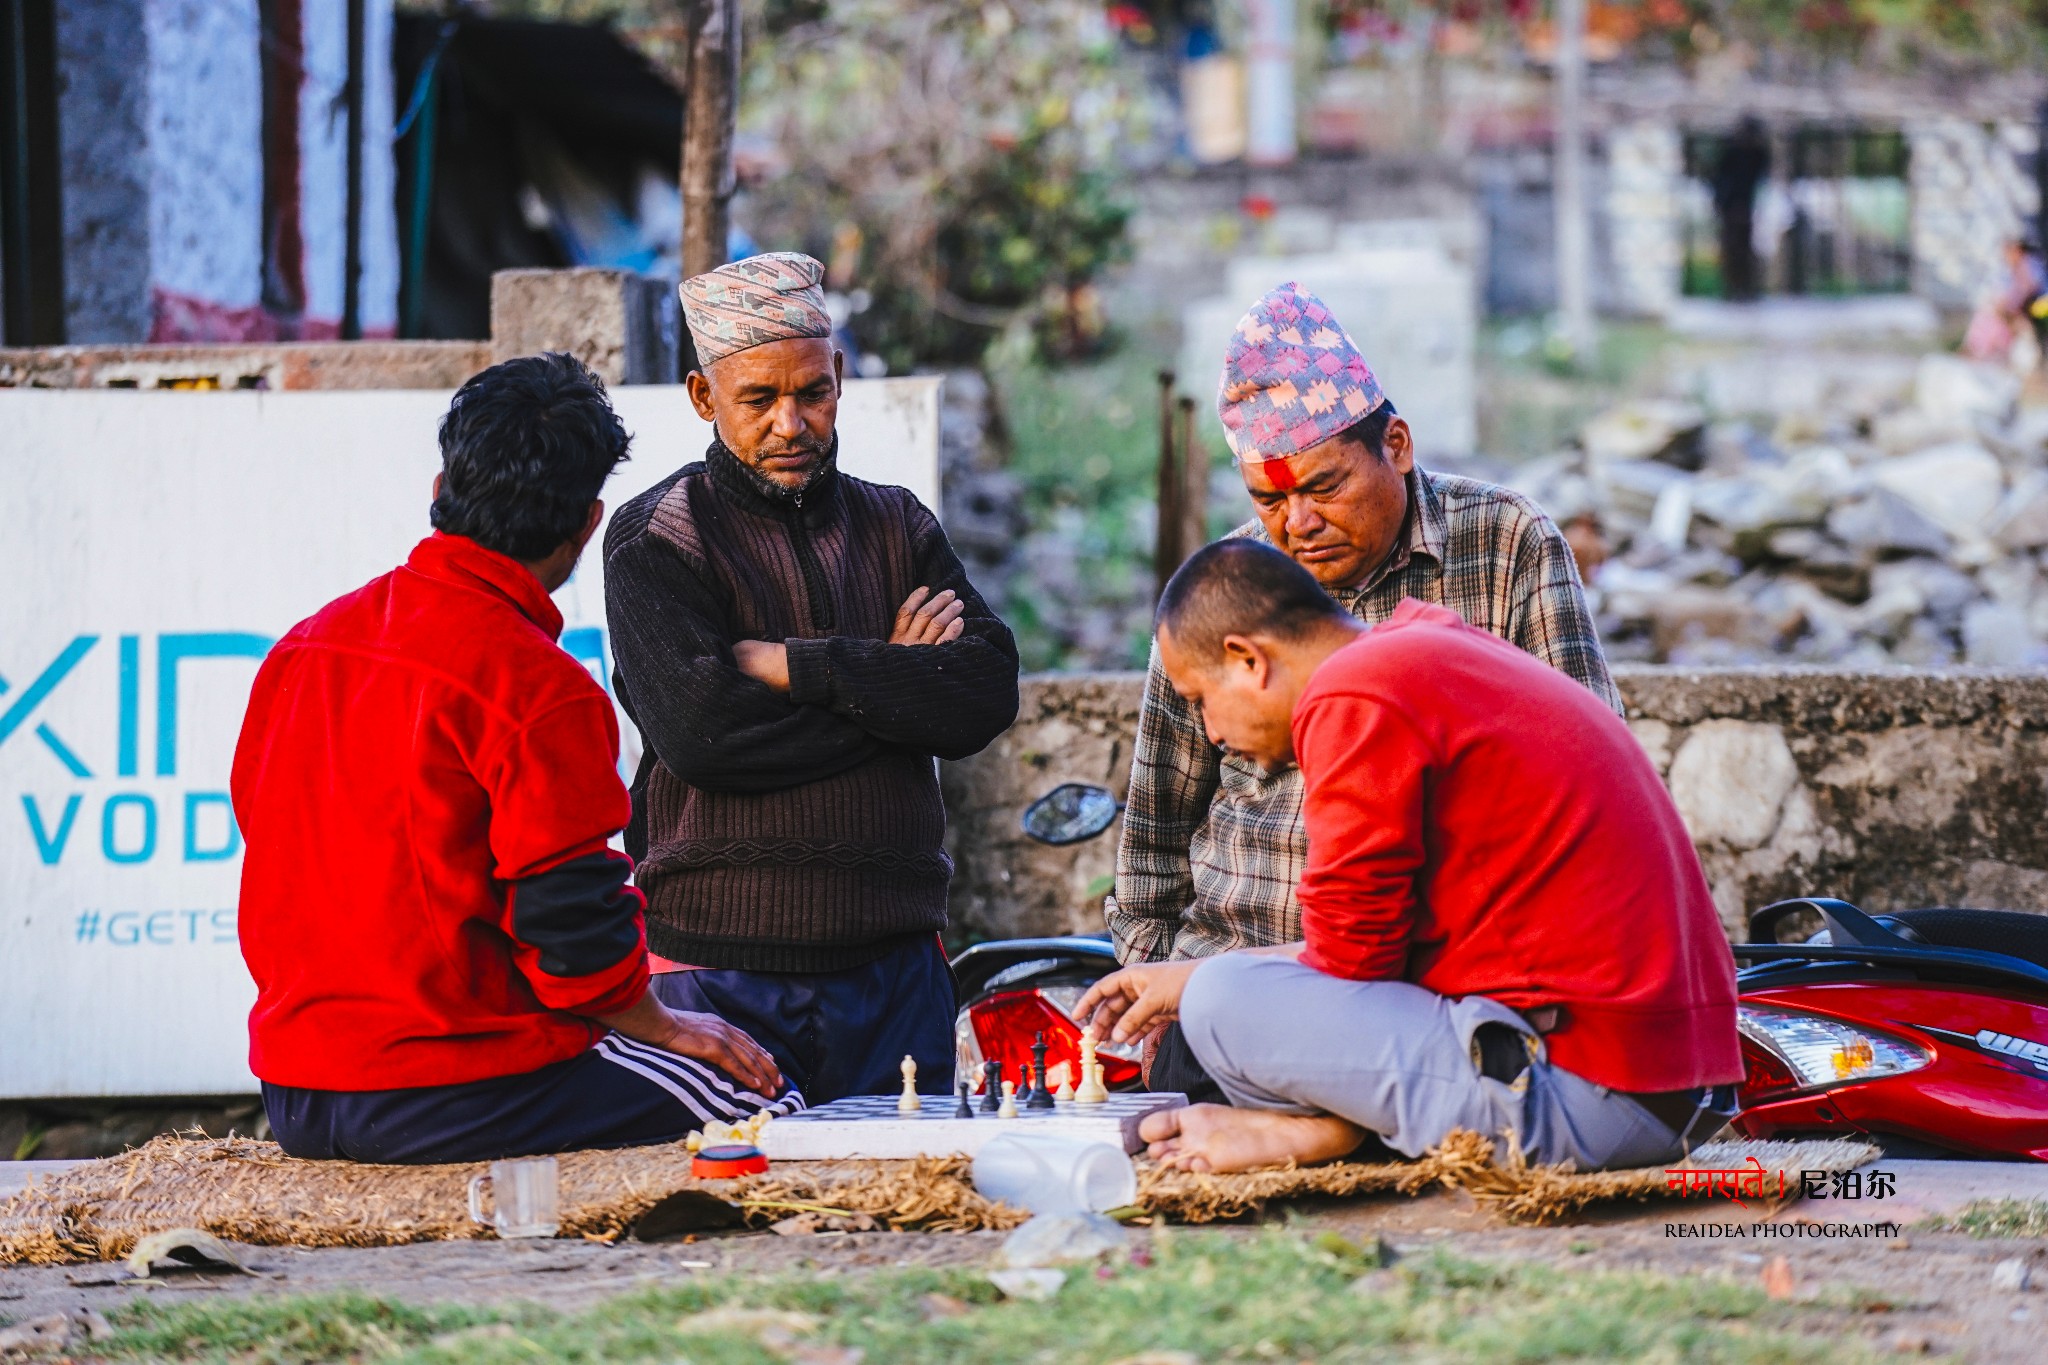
<point x="1925" y="1030"/>
<point x="1017" y="992"/>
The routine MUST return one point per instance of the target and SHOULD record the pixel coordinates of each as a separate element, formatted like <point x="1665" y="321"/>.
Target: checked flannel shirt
<point x="1212" y="846"/>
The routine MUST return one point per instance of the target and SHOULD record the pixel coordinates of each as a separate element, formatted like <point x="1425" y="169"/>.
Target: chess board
<point x="871" y="1126"/>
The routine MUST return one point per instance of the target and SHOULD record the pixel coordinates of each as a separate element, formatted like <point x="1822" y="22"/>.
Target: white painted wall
<point x="206" y="149"/>
<point x="323" y="171"/>
<point x="130" y="517"/>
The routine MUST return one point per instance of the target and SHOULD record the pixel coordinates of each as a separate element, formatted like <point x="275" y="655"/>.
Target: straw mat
<point x="246" y="1191"/>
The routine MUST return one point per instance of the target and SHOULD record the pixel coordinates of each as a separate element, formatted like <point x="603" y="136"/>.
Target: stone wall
<point x="1889" y="789"/>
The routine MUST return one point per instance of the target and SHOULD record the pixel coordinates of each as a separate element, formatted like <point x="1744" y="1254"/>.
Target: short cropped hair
<point x="1370" y="430"/>
<point x="1241" y="587"/>
<point x="525" y="449"/>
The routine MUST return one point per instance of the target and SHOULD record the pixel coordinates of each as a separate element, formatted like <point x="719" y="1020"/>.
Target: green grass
<point x="1278" y="1296"/>
<point x="1998" y="1218"/>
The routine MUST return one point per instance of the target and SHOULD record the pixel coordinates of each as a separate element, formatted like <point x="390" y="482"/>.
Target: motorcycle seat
<point x="2015" y="933"/>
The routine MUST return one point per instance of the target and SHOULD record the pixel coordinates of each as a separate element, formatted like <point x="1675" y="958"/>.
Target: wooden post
<point x="1568" y="184"/>
<point x="1194" y="476"/>
<point x="1166" y="546"/>
<point x="710" y="109"/>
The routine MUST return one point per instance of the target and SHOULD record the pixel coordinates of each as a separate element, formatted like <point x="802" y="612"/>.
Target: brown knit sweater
<point x="796" y="833"/>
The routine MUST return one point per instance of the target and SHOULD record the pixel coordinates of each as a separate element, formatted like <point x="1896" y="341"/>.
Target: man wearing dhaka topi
<point x="796" y="646"/>
<point x="1505" y="927"/>
<point x="1213" y="844"/>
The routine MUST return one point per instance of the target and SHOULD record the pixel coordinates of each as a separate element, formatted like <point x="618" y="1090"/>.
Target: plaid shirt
<point x="1212" y="845"/>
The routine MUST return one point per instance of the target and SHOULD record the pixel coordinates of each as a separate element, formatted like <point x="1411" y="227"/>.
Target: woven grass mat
<point x="1511" y="1188"/>
<point x="250" y="1192"/>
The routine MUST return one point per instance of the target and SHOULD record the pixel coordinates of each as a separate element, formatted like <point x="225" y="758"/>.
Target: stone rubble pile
<point x="1906" y="525"/>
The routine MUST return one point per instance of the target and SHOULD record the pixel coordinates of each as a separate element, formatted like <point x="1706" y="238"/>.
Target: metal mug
<point x="525" y="1194"/>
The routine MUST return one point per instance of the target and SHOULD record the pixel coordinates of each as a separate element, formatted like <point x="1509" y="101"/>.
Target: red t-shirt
<point x="426" y="784"/>
<point x="1480" y="824"/>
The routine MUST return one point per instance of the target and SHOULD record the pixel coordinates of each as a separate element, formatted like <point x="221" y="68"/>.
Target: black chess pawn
<point x="966" y="1109"/>
<point x="991" y="1087"/>
<point x="1041" y="1094"/>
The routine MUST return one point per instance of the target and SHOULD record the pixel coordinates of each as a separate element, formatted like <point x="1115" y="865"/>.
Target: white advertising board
<point x="152" y="547"/>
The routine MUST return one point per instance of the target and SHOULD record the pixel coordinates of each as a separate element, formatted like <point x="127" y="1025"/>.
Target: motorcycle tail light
<point x="1003" y="1027"/>
<point x="1794" y="1050"/>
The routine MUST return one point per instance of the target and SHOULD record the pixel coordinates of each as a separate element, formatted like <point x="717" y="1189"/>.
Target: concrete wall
<point x="1890" y="789"/>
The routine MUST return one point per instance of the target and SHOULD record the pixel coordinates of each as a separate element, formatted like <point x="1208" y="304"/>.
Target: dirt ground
<point x="1939" y="1286"/>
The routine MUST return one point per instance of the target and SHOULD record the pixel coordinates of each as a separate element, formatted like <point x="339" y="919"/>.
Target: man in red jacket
<point x="1505" y="925"/>
<point x="450" y="962"/>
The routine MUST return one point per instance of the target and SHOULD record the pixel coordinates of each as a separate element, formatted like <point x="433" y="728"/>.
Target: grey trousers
<point x="1396" y="1059"/>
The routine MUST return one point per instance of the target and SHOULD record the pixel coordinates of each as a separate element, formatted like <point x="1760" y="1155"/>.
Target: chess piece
<point x="1063" y="1085"/>
<point x="991" y="1087"/>
<point x="1009" y="1107"/>
<point x="1040" y="1097"/>
<point x="1092" y="1090"/>
<point x="966" y="1109"/>
<point x="908" y="1102"/>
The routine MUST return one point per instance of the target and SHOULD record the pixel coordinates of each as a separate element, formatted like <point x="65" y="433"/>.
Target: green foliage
<point x="956" y="162"/>
<point x="1214" y="1295"/>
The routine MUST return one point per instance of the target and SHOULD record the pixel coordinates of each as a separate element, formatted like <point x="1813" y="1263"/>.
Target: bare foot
<point x="1215" y="1137"/>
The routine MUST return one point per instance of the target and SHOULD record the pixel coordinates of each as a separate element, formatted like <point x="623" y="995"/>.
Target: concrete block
<point x="626" y="327"/>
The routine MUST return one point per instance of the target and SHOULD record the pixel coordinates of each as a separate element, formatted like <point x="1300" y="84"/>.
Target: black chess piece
<point x="992" y="1087"/>
<point x="966" y="1109"/>
<point x="1041" y="1095"/>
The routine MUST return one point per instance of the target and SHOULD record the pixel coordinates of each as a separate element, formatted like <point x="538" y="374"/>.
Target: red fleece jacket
<point x="426" y="783"/>
<point x="1480" y="824"/>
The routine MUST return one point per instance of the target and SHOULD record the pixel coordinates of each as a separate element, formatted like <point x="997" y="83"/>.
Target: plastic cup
<point x="524" y="1194"/>
<point x="1053" y="1173"/>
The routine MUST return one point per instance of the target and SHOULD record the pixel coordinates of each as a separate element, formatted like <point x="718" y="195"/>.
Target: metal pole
<point x="352" y="231"/>
<point x="711" y="108"/>
<point x="1568" y="184"/>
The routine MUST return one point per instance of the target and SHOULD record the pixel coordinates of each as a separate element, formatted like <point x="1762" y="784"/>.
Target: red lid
<point x="715" y="1163"/>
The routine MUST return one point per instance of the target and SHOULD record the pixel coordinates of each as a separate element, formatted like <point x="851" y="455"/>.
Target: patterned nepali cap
<point x="753" y="302"/>
<point x="1292" y="379"/>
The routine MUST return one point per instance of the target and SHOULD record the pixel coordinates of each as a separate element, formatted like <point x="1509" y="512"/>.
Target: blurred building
<point x="1858" y="179"/>
<point x="527" y="145"/>
<point x="180" y="170"/>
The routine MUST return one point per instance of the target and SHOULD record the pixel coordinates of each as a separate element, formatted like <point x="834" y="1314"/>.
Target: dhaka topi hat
<point x="776" y="297"/>
<point x="1292" y="379"/>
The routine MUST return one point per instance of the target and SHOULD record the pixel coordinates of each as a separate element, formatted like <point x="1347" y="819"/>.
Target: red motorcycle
<point x="1017" y="991"/>
<point x="1926" y="1030"/>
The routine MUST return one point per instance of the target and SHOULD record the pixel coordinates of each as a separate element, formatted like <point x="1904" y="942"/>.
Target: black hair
<point x="1241" y="587"/>
<point x="1370" y="430"/>
<point x="525" y="448"/>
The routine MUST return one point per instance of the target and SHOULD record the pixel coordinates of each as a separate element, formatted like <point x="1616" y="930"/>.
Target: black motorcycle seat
<point x="2015" y="933"/>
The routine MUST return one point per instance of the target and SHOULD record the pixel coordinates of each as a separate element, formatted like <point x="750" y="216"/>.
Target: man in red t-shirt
<point x="1505" y="925"/>
<point x="450" y="962"/>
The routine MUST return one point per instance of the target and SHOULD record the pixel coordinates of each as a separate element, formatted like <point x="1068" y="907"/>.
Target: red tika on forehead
<point x="1280" y="473"/>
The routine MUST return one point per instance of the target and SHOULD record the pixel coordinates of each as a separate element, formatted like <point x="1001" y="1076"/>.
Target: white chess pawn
<point x="908" y="1102"/>
<point x="1009" y="1106"/>
<point x="1063" y="1084"/>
